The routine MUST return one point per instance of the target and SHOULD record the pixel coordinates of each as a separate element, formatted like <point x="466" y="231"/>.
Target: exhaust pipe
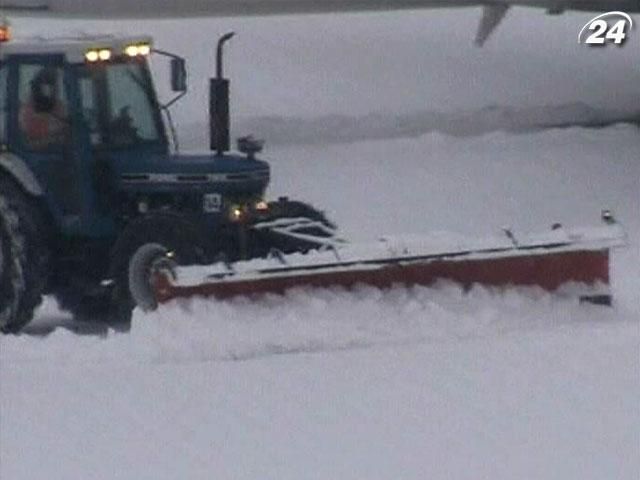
<point x="219" y="103"/>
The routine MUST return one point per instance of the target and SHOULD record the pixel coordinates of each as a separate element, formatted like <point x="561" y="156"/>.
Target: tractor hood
<point x="223" y="173"/>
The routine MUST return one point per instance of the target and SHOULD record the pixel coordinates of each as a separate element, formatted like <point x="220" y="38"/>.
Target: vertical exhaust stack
<point x="219" y="103"/>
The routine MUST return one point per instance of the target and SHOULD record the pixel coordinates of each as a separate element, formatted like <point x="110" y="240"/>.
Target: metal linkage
<point x="290" y="227"/>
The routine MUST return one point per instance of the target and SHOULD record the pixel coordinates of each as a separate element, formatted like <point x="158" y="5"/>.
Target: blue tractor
<point x="89" y="174"/>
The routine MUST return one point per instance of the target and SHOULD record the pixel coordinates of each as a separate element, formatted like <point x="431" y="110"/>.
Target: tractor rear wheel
<point x="23" y="257"/>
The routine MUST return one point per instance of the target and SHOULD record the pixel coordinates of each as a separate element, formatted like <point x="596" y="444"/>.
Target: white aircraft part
<point x="492" y="15"/>
<point x="494" y="10"/>
<point x="196" y="8"/>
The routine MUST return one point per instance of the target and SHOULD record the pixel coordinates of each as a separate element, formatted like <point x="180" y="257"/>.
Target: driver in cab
<point x="43" y="118"/>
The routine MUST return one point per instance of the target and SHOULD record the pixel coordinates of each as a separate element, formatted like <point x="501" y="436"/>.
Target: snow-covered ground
<point x="407" y="383"/>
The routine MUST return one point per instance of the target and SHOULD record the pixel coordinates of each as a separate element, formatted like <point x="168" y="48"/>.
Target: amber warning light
<point x="5" y="33"/>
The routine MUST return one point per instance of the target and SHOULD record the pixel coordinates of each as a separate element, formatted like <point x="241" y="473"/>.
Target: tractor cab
<point x="82" y="116"/>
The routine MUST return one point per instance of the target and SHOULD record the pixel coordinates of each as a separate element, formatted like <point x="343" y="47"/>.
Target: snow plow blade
<point x="573" y="262"/>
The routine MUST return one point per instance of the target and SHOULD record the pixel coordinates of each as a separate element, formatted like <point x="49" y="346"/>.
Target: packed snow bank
<point x="329" y="129"/>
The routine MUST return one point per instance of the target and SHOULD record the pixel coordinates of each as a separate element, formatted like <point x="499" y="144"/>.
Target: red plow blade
<point x="573" y="262"/>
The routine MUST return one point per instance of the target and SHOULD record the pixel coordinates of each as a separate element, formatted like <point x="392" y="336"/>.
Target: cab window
<point x="42" y="107"/>
<point x="118" y="104"/>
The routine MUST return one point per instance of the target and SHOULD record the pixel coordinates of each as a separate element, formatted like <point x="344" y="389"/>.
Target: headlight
<point x="137" y="49"/>
<point x="131" y="50"/>
<point x="96" y="54"/>
<point x="236" y="214"/>
<point x="144" y="49"/>
<point x="104" y="54"/>
<point x="261" y="206"/>
<point x="143" y="206"/>
<point x="92" y="56"/>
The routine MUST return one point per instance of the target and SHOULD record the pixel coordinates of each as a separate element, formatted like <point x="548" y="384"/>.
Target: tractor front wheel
<point x="165" y="233"/>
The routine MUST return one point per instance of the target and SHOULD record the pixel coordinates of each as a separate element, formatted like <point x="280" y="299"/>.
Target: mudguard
<point x="18" y="169"/>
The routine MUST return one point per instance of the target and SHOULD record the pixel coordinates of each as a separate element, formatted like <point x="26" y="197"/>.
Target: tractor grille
<point x="189" y="203"/>
<point x="195" y="178"/>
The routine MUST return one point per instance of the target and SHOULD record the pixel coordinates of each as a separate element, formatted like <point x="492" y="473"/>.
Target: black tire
<point x="170" y="232"/>
<point x="148" y="259"/>
<point x="286" y="208"/>
<point x="24" y="257"/>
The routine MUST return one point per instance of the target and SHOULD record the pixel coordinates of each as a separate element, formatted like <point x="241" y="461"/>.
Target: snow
<point x="405" y="383"/>
<point x="408" y="384"/>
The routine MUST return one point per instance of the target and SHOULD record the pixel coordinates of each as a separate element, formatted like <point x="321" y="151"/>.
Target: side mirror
<point x="178" y="75"/>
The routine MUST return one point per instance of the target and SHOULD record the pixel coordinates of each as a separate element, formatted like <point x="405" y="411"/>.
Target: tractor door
<point x="45" y="132"/>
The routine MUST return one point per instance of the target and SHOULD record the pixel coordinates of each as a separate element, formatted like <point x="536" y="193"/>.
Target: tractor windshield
<point x="119" y="104"/>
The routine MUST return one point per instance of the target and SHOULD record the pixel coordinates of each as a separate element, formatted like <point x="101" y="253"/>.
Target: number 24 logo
<point x="602" y="32"/>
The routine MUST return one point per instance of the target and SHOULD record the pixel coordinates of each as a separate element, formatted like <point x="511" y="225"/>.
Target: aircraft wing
<point x="493" y="10"/>
<point x="203" y="8"/>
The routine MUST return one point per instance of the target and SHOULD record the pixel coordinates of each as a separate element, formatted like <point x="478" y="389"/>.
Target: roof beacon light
<point x="5" y="31"/>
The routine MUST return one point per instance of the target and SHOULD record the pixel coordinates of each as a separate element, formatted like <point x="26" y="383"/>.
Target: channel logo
<point x="607" y="28"/>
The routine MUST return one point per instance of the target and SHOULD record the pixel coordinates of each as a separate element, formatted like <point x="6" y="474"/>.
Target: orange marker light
<point x="5" y="33"/>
